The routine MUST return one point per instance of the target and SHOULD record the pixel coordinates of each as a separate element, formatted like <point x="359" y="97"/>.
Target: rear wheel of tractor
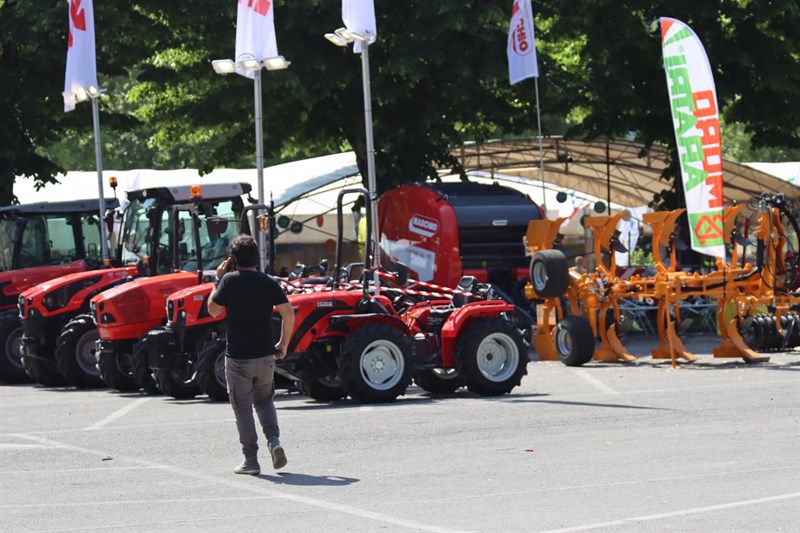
<point x="43" y="372"/>
<point x="549" y="273"/>
<point x="320" y="382"/>
<point x="375" y="364"/>
<point x="211" y="370"/>
<point x="574" y="341"/>
<point x="140" y="369"/>
<point x="75" y="353"/>
<point x="492" y="357"/>
<point x="438" y="380"/>
<point x="115" y="369"/>
<point x="180" y="384"/>
<point x="11" y="368"/>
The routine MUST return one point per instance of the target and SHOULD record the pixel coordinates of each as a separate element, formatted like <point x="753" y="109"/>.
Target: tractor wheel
<point x="75" y="353"/>
<point x="211" y="370"/>
<point x="43" y="372"/>
<point x="549" y="273"/>
<point x="438" y="380"/>
<point x="492" y="357"/>
<point x="140" y="369"/>
<point x="11" y="367"/>
<point x="375" y="364"/>
<point x="115" y="369"/>
<point x="320" y="382"/>
<point x="574" y="341"/>
<point x="180" y="384"/>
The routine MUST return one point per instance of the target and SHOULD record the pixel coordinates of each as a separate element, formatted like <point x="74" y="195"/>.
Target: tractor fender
<point x="349" y="323"/>
<point x="461" y="318"/>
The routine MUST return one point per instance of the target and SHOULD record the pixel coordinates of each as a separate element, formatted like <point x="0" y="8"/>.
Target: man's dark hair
<point x="245" y="251"/>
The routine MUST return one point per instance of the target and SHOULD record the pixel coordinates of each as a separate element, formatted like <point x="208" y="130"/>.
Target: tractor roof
<point x="47" y="208"/>
<point x="182" y="193"/>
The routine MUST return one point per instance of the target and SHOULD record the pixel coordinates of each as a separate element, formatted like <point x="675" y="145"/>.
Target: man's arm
<point x="214" y="309"/>
<point x="287" y="326"/>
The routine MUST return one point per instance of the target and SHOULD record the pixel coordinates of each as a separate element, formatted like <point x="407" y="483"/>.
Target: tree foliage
<point x="438" y="78"/>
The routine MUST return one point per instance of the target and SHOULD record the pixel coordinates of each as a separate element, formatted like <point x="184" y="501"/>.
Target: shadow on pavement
<point x="594" y="404"/>
<point x="289" y="478"/>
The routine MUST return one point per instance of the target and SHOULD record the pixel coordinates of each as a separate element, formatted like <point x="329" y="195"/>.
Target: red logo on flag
<point x="261" y="6"/>
<point x="77" y="16"/>
<point x="519" y="39"/>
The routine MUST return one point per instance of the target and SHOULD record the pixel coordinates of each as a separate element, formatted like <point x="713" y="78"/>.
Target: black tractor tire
<point x="376" y="363"/>
<point x="211" y="370"/>
<point x="140" y="369"/>
<point x="43" y="372"/>
<point x="549" y="273"/>
<point x="491" y="356"/>
<point x="318" y="382"/>
<point x="574" y="341"/>
<point x="115" y="369"/>
<point x="11" y="368"/>
<point x="176" y="383"/>
<point x="75" y="353"/>
<point x="438" y="380"/>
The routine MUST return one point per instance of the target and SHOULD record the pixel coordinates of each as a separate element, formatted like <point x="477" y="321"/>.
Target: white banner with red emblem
<point x="255" y="32"/>
<point x="359" y="17"/>
<point x="695" y="116"/>
<point x="521" y="47"/>
<point x="81" y="65"/>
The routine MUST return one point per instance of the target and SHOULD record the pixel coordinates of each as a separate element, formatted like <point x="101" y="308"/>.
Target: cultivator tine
<point x="733" y="345"/>
<point x="611" y="348"/>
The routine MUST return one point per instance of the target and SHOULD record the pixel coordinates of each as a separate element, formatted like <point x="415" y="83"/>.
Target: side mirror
<point x="401" y="273"/>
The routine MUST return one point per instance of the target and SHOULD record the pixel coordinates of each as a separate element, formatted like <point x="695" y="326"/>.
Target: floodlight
<point x="276" y="63"/>
<point x="335" y="39"/>
<point x="223" y="66"/>
<point x="250" y="64"/>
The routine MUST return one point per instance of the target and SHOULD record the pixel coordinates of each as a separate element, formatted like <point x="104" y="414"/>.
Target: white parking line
<point x="244" y="485"/>
<point x="596" y="383"/>
<point x="117" y="414"/>
<point x="682" y="512"/>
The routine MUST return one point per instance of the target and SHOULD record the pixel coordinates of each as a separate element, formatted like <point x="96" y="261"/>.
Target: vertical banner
<point x="359" y="17"/>
<point x="695" y="116"/>
<point x="255" y="32"/>
<point x="521" y="49"/>
<point x="81" y="65"/>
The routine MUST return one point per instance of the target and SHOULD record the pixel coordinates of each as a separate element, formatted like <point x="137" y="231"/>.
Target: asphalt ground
<point x="711" y="446"/>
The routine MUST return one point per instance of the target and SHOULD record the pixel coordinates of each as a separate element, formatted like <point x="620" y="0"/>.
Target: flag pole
<point x="541" y="149"/>
<point x="98" y="157"/>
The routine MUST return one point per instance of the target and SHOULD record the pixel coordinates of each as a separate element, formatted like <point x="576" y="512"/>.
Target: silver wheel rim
<point x="85" y="353"/>
<point x="539" y="277"/>
<point x="219" y="371"/>
<point x="14" y="347"/>
<point x="563" y="341"/>
<point x="498" y="357"/>
<point x="382" y="364"/>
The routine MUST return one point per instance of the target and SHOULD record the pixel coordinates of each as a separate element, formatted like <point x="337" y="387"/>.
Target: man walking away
<point x="248" y="297"/>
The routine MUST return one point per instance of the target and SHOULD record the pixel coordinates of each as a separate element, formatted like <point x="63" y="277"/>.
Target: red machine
<point x="41" y="242"/>
<point x="125" y="313"/>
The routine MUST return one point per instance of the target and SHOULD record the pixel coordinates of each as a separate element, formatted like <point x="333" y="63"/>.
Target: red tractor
<point x="40" y="242"/>
<point x="350" y="341"/>
<point x="201" y="231"/>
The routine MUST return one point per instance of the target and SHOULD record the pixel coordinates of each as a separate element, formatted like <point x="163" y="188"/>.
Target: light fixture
<point x="335" y="39"/>
<point x="81" y="95"/>
<point x="276" y="63"/>
<point x="223" y="66"/>
<point x="250" y="64"/>
<point x="92" y="91"/>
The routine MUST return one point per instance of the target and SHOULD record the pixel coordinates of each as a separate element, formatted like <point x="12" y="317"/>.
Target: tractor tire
<point x="438" y="380"/>
<point x="574" y="341"/>
<point x="115" y="369"/>
<point x="492" y="357"/>
<point x="318" y="383"/>
<point x="11" y="368"/>
<point x="549" y="273"/>
<point x="43" y="372"/>
<point x="140" y="369"/>
<point x="177" y="383"/>
<point x="75" y="353"/>
<point x="211" y="370"/>
<point x="375" y="364"/>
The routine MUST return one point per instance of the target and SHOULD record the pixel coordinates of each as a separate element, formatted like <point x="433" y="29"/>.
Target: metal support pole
<point x="262" y="247"/>
<point x="98" y="156"/>
<point x="541" y="149"/>
<point x="371" y="180"/>
<point x="608" y="177"/>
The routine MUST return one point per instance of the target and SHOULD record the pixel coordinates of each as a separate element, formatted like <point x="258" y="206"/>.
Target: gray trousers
<point x="251" y="385"/>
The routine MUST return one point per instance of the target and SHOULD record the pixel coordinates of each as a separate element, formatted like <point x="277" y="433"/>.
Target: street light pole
<point x="262" y="248"/>
<point x="98" y="157"/>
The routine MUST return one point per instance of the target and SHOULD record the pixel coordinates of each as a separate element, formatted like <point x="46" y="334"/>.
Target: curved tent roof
<point x="623" y="170"/>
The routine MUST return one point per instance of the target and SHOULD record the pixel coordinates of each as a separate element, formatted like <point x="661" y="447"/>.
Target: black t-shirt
<point x="248" y="297"/>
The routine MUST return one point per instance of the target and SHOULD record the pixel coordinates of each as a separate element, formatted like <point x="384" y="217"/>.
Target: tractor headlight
<point x="60" y="297"/>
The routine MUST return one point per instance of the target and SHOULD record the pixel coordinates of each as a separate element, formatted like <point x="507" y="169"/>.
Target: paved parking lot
<point x="713" y="446"/>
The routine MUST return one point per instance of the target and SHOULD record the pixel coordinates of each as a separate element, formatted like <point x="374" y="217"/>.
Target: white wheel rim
<point x="498" y="357"/>
<point x="14" y="347"/>
<point x="539" y="275"/>
<point x="382" y="364"/>
<point x="563" y="341"/>
<point x="85" y="350"/>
